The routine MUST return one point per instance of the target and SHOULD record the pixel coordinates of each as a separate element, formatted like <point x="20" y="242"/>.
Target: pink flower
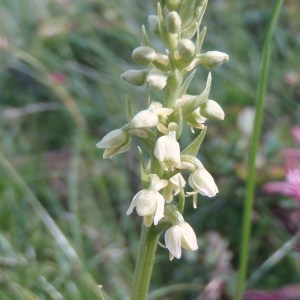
<point x="296" y="133"/>
<point x="260" y="295"/>
<point x="291" y="185"/>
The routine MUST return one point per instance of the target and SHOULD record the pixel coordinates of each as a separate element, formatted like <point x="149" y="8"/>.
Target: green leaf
<point x="145" y="37"/>
<point x="193" y="147"/>
<point x="200" y="39"/>
<point x="186" y="84"/>
<point x="129" y="109"/>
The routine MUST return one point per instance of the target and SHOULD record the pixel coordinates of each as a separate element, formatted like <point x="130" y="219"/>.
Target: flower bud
<point x="153" y="23"/>
<point x="185" y="49"/>
<point x="162" y="61"/>
<point x="213" y="59"/>
<point x="173" y="22"/>
<point x="173" y="4"/>
<point x="157" y="79"/>
<point x="113" y="139"/>
<point x="115" y="142"/>
<point x="135" y="77"/>
<point x="211" y="109"/>
<point x="143" y="55"/>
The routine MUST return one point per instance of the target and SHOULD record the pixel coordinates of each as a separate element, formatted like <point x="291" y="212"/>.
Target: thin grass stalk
<point x="42" y="213"/>
<point x="274" y="259"/>
<point x="174" y="288"/>
<point x="251" y="178"/>
<point x="73" y="191"/>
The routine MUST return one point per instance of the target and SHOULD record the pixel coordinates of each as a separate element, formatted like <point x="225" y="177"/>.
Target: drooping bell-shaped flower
<point x="211" y="109"/>
<point x="150" y="117"/>
<point x="167" y="151"/>
<point x="149" y="203"/>
<point x="115" y="142"/>
<point x="202" y="182"/>
<point x="180" y="236"/>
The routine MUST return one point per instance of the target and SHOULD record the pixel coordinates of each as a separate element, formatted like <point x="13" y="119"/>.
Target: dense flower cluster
<point x="169" y="68"/>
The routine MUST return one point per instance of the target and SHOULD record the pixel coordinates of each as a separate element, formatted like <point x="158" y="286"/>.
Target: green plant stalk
<point x="73" y="191"/>
<point x="250" y="185"/>
<point x="144" y="264"/>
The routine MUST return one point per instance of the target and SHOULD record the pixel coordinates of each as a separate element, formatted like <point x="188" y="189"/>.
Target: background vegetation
<point x="63" y="228"/>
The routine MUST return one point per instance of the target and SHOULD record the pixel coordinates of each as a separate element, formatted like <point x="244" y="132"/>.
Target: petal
<point x="144" y="118"/>
<point x="177" y="180"/>
<point x="173" y="240"/>
<point x="160" y="184"/>
<point x="113" y="139"/>
<point x="132" y="204"/>
<point x="296" y="133"/>
<point x="202" y="181"/>
<point x="167" y="150"/>
<point x="211" y="109"/>
<point x="148" y="220"/>
<point x="277" y="187"/>
<point x="188" y="237"/>
<point x="110" y="152"/>
<point x="146" y="202"/>
<point x="164" y="111"/>
<point x="160" y="205"/>
<point x="160" y="146"/>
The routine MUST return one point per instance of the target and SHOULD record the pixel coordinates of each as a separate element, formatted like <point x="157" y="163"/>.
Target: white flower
<point x="149" y="203"/>
<point x="150" y="117"/>
<point x="115" y="142"/>
<point x="157" y="79"/>
<point x="180" y="236"/>
<point x="167" y="151"/>
<point x="173" y="187"/>
<point x="202" y="182"/>
<point x="196" y="120"/>
<point x="211" y="109"/>
<point x="144" y="119"/>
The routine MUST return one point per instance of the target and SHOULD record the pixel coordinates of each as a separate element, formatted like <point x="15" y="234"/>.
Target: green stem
<point x="74" y="203"/>
<point x="250" y="186"/>
<point x="145" y="261"/>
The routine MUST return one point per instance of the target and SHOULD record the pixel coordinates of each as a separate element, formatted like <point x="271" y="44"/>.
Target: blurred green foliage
<point x="60" y="92"/>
